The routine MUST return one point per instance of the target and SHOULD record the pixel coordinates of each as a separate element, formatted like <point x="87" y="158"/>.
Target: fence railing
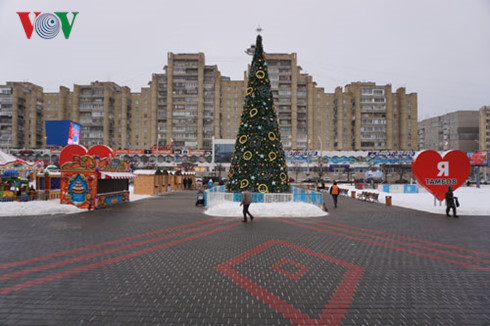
<point x="38" y="195"/>
<point x="217" y="194"/>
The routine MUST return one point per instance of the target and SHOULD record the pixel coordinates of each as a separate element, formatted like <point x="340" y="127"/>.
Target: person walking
<point x="246" y="201"/>
<point x="450" y="202"/>
<point x="324" y="199"/>
<point x="334" y="191"/>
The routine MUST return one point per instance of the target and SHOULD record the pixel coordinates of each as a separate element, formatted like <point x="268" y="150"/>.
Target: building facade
<point x="484" y="126"/>
<point x="185" y="102"/>
<point x="21" y="115"/>
<point x="366" y="116"/>
<point x="102" y="108"/>
<point x="456" y="130"/>
<point x="190" y="102"/>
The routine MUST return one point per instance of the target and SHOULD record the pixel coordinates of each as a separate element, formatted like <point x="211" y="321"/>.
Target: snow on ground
<point x="47" y="207"/>
<point x="233" y="209"/>
<point x="473" y="201"/>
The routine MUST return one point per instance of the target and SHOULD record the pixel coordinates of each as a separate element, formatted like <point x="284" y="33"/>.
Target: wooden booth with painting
<point x="93" y="178"/>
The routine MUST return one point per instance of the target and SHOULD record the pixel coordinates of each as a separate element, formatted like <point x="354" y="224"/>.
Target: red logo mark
<point x="437" y="173"/>
<point x="335" y="309"/>
<point x="26" y="22"/>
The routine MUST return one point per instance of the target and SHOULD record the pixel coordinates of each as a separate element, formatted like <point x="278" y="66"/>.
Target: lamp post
<point x="320" y="160"/>
<point x="308" y="157"/>
<point x="8" y="143"/>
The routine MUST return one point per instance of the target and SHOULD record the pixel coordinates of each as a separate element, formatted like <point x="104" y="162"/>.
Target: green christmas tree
<point x="258" y="162"/>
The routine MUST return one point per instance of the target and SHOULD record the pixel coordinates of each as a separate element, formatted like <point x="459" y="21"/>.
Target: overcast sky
<point x="439" y="49"/>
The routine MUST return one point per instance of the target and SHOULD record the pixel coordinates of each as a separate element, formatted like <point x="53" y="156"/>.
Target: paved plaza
<point x="162" y="261"/>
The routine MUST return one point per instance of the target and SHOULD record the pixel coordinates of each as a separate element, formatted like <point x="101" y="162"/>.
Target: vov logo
<point x="47" y="25"/>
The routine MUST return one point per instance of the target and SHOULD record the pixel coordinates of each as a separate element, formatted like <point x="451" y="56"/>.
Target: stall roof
<point x="6" y="158"/>
<point x="150" y="172"/>
<point x="117" y="175"/>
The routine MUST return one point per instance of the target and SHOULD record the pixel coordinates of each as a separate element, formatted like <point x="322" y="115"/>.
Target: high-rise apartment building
<point x="21" y="115"/>
<point x="102" y="108"/>
<point x="232" y="96"/>
<point x="189" y="103"/>
<point x="455" y="130"/>
<point x="185" y="102"/>
<point x="484" y="128"/>
<point x="366" y="116"/>
<point x="141" y="119"/>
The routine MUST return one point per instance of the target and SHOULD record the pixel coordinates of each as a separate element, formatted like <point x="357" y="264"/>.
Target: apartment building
<point x="484" y="128"/>
<point x="232" y="97"/>
<point x="366" y="116"/>
<point x="190" y="102"/>
<point x="455" y="130"/>
<point x="21" y="115"/>
<point x="141" y="119"/>
<point x="185" y="102"/>
<point x="102" y="108"/>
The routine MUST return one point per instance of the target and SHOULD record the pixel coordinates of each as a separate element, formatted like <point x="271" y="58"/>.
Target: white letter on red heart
<point x="436" y="173"/>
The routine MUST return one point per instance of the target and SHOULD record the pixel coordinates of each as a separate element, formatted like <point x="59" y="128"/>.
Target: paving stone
<point x="285" y="271"/>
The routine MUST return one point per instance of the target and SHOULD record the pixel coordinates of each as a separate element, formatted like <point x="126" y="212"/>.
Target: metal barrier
<point x="38" y="195"/>
<point x="218" y="194"/>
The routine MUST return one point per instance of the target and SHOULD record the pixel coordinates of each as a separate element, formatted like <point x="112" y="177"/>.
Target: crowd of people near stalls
<point x="187" y="183"/>
<point x="16" y="191"/>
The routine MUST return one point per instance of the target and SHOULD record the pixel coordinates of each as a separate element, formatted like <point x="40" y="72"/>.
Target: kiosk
<point x="94" y="178"/>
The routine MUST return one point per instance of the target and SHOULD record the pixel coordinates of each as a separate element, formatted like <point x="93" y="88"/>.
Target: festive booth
<point x="150" y="182"/>
<point x="49" y="179"/>
<point x="155" y="182"/>
<point x="93" y="178"/>
<point x="12" y="187"/>
<point x="24" y="168"/>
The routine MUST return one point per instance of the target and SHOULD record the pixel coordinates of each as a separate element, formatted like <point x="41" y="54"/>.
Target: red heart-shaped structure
<point x="70" y="151"/>
<point x="437" y="173"/>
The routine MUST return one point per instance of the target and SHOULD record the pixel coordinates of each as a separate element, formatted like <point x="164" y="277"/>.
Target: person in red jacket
<point x="334" y="191"/>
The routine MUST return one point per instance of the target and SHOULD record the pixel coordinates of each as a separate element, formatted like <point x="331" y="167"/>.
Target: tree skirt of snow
<point x="291" y="209"/>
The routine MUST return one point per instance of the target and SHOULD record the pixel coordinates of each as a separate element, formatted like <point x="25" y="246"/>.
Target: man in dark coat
<point x="246" y="201"/>
<point x="450" y="202"/>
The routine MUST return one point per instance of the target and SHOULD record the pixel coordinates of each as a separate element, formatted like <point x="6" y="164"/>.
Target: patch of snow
<point x="48" y="207"/>
<point x="291" y="209"/>
<point x="473" y="201"/>
<point x="37" y="207"/>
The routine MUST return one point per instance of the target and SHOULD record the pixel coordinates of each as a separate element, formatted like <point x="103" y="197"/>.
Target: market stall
<point x="12" y="187"/>
<point x="93" y="178"/>
<point x="26" y="170"/>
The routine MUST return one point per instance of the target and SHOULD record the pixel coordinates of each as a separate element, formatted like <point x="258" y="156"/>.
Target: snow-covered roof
<point x="146" y="172"/>
<point x="6" y="158"/>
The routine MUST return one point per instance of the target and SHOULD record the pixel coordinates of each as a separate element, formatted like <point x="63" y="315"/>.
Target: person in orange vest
<point x="334" y="191"/>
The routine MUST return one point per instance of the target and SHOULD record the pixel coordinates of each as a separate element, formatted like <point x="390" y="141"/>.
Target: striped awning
<point x="117" y="175"/>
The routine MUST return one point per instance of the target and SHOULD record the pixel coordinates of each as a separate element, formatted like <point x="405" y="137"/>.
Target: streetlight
<point x="308" y="157"/>
<point x="320" y="164"/>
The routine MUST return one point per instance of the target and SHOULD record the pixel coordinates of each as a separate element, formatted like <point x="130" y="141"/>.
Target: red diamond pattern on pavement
<point x="294" y="276"/>
<point x="335" y="309"/>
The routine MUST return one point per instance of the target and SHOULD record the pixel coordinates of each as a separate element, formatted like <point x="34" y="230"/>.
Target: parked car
<point x="310" y="179"/>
